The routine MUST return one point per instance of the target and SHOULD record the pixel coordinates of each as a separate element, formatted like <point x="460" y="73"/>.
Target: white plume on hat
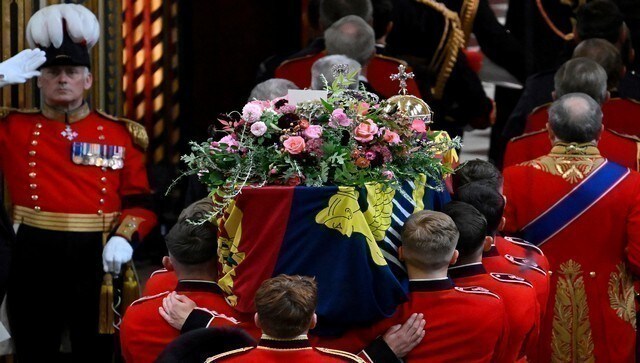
<point x="46" y="26"/>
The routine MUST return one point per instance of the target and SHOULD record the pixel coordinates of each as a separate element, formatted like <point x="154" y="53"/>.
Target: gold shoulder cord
<point x="451" y="42"/>
<point x="468" y="16"/>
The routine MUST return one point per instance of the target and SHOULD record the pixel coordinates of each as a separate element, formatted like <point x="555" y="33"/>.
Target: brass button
<point x="550" y="272"/>
<point x="101" y="137"/>
<point x="103" y="190"/>
<point x="100" y="212"/>
<point x="36" y="133"/>
<point x="104" y="168"/>
<point x="37" y="208"/>
<point x="131" y="225"/>
<point x="592" y="274"/>
<point x="32" y="164"/>
<point x="101" y="201"/>
<point x="34" y="142"/>
<point x="34" y="197"/>
<point x="133" y="219"/>
<point x="100" y="128"/>
<point x="32" y="153"/>
<point x="33" y="186"/>
<point x="39" y="125"/>
<point x="32" y="175"/>
<point x="103" y="179"/>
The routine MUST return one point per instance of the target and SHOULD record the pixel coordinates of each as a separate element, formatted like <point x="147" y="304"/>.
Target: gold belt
<point x="66" y="222"/>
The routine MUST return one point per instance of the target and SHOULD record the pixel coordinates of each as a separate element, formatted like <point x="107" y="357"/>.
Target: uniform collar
<point x="72" y="116"/>
<point x="574" y="149"/>
<point x="470" y="269"/>
<point x="430" y="285"/>
<point x="198" y="286"/>
<point x="299" y="342"/>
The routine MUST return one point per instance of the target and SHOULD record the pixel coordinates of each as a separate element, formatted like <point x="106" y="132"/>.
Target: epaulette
<point x="160" y="271"/>
<point x="544" y="105"/>
<point x="6" y="111"/>
<point x="476" y="290"/>
<point x="626" y="136"/>
<point x="339" y="353"/>
<point x="527" y="134"/>
<point x="145" y="298"/>
<point x="510" y="278"/>
<point x="137" y="131"/>
<point x="521" y="261"/>
<point x="226" y="354"/>
<point x="523" y="243"/>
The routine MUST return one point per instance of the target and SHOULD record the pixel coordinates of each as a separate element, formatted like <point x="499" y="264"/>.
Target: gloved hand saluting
<point x="21" y="67"/>
<point x="116" y="252"/>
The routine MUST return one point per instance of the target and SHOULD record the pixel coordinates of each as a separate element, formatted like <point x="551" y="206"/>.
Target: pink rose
<point x="294" y="145"/>
<point x="388" y="174"/>
<point x="365" y="131"/>
<point x="228" y="140"/>
<point x="252" y="111"/>
<point x="258" y="128"/>
<point x="391" y="137"/>
<point x="370" y="155"/>
<point x="418" y="126"/>
<point x="338" y="116"/>
<point x="313" y="131"/>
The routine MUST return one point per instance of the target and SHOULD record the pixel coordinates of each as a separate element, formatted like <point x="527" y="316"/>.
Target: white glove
<point x="21" y="67"/>
<point x="116" y="252"/>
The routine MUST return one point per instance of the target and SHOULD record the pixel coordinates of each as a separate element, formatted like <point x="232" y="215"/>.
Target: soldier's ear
<point x="88" y="81"/>
<point x="166" y="262"/>
<point x="314" y="321"/>
<point x="503" y="222"/>
<point x="488" y="242"/>
<point x="400" y="254"/>
<point x="454" y="258"/>
<point x="256" y="320"/>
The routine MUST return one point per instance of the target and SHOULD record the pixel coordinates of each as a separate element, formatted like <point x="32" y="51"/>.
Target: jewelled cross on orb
<point x="402" y="76"/>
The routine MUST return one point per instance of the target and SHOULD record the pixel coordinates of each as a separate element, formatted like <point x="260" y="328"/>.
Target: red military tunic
<point x="519" y="297"/>
<point x="271" y="350"/>
<point x="144" y="333"/>
<point x="619" y="148"/>
<point x="619" y="114"/>
<point x="591" y="309"/>
<point x="378" y="71"/>
<point x="49" y="190"/>
<point x="464" y="324"/>
<point x="160" y="281"/>
<point x="520" y="261"/>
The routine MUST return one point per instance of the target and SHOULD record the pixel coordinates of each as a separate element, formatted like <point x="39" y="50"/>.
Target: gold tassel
<point x="130" y="288"/>
<point x="106" y="301"/>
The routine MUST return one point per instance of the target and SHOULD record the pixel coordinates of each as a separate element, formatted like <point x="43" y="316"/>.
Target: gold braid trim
<point x="468" y="16"/>
<point x="573" y="162"/>
<point x="622" y="295"/>
<point x="451" y="42"/>
<point x="571" y="339"/>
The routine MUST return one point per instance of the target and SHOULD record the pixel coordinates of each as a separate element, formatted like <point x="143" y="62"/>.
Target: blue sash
<point x="574" y="204"/>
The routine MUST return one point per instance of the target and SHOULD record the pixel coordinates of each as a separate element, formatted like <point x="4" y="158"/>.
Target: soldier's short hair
<point x="324" y="67"/>
<point x="271" y="88"/>
<point x="471" y="225"/>
<point x="429" y="239"/>
<point x="351" y="36"/>
<point x="581" y="75"/>
<point x="575" y="117"/>
<point x="332" y="10"/>
<point x="486" y="199"/>
<point x="605" y="54"/>
<point x="192" y="244"/>
<point x="286" y="304"/>
<point x="476" y="170"/>
<point x="198" y="210"/>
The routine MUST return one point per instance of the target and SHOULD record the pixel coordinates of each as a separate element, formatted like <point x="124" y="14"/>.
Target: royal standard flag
<point x="345" y="237"/>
